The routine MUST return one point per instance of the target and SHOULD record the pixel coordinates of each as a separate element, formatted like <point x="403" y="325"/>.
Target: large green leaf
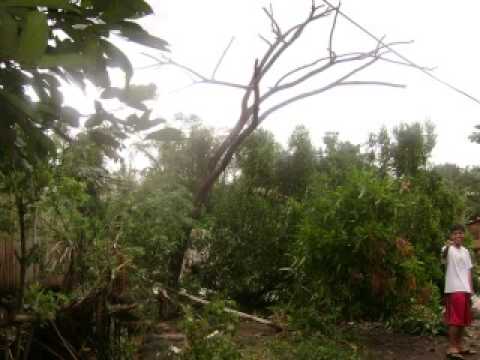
<point x="139" y="93"/>
<point x="103" y="138"/>
<point x="52" y="4"/>
<point x="117" y="58"/>
<point x="96" y="66"/>
<point x="94" y="121"/>
<point x="69" y="116"/>
<point x="135" y="33"/>
<point x="8" y="35"/>
<point x="114" y="10"/>
<point x="143" y="122"/>
<point x="133" y="96"/>
<point x="33" y="38"/>
<point x="20" y="105"/>
<point x="40" y="143"/>
<point x="64" y="60"/>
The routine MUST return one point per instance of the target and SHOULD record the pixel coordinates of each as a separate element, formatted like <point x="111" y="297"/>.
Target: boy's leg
<point x="461" y="334"/>
<point x="461" y="342"/>
<point x="454" y="341"/>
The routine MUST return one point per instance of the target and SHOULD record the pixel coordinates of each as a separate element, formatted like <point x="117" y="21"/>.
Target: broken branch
<point x="240" y="314"/>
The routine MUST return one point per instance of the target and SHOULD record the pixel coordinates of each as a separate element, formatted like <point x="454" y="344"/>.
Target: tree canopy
<point x="46" y="44"/>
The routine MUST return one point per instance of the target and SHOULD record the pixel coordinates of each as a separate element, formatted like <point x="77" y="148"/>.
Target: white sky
<point x="445" y="35"/>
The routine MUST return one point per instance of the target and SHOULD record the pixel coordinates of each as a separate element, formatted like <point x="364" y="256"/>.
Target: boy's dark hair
<point x="457" y="227"/>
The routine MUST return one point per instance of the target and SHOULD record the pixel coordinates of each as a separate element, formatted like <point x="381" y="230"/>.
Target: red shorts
<point x="458" y="309"/>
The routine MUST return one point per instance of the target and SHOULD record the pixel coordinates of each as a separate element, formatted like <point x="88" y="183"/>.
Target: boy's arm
<point x="445" y="253"/>
<point x="470" y="280"/>
<point x="470" y="273"/>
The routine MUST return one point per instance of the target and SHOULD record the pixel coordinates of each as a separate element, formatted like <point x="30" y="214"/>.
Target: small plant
<point x="420" y="318"/>
<point x="210" y="333"/>
<point x="44" y="303"/>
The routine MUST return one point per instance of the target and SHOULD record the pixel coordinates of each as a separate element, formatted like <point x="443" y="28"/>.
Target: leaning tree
<point x="262" y="97"/>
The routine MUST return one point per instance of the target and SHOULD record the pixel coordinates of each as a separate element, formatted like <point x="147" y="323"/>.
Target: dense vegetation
<point x="316" y="236"/>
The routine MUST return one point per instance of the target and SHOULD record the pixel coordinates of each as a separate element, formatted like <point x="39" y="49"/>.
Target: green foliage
<point x="210" y="333"/>
<point x="43" y="303"/>
<point x="467" y="184"/>
<point x="338" y="159"/>
<point x="297" y="167"/>
<point x="45" y="43"/>
<point x="413" y="146"/>
<point x="475" y="136"/>
<point x="314" y="347"/>
<point x="420" y="319"/>
<point x="181" y="150"/>
<point x="372" y="244"/>
<point x="258" y="160"/>
<point x="153" y="221"/>
<point x="250" y="233"/>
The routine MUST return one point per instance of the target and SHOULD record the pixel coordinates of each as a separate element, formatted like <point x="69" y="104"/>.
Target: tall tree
<point x="258" y="159"/>
<point x="298" y="164"/>
<point x="261" y="99"/>
<point x="412" y="147"/>
<point x="339" y="158"/>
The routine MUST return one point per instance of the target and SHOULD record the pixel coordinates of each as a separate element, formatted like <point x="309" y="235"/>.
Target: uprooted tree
<point x="261" y="99"/>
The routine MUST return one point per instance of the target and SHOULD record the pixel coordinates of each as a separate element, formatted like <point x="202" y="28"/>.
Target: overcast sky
<point x="445" y="36"/>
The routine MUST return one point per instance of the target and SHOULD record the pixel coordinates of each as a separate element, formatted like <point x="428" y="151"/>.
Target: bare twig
<point x="332" y="30"/>
<point x="397" y="62"/>
<point x="200" y="79"/>
<point x="339" y="59"/>
<point x="404" y="58"/>
<point x="275" y="27"/>
<point x="222" y="57"/>
<point x="283" y="42"/>
<point x="316" y="91"/>
<point x="265" y="39"/>
<point x="377" y="83"/>
<point x="256" y="92"/>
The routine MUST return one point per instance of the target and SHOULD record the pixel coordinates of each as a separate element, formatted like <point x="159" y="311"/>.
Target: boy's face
<point x="457" y="237"/>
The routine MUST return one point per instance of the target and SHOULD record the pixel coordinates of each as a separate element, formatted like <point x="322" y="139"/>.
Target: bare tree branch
<point x="377" y="83"/>
<point x="265" y="40"/>
<point x="256" y="92"/>
<point x="200" y="79"/>
<point x="285" y="41"/>
<point x="316" y="91"/>
<point x="275" y="27"/>
<point x="332" y="30"/>
<point x="245" y="113"/>
<point x="343" y="58"/>
<point x="405" y="59"/>
<point x="397" y="62"/>
<point x="222" y="57"/>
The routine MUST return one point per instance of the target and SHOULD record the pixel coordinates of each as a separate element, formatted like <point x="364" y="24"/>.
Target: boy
<point x="458" y="289"/>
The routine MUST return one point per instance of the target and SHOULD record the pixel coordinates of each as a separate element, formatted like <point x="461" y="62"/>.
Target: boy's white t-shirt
<point x="459" y="265"/>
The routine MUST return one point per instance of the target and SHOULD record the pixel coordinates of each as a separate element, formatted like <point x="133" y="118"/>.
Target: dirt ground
<point x="381" y="343"/>
<point x="385" y="345"/>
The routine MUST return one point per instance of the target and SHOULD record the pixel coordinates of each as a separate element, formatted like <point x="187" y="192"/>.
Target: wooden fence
<point x="10" y="266"/>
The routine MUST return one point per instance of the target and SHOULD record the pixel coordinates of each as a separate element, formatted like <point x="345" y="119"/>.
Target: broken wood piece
<point x="240" y="314"/>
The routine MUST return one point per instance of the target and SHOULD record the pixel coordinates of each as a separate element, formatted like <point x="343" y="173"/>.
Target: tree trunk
<point x="22" y="258"/>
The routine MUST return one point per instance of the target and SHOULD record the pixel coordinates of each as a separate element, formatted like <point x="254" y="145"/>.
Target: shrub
<point x="210" y="333"/>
